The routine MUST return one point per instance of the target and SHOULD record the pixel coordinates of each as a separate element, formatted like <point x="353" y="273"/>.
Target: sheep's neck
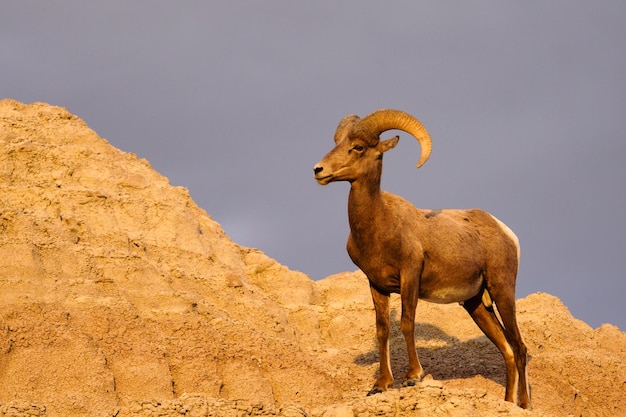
<point x="365" y="207"/>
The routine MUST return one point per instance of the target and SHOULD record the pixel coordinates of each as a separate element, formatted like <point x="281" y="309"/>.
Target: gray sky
<point x="237" y="100"/>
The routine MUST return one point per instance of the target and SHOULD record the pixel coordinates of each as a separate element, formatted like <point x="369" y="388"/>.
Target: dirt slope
<point x="119" y="296"/>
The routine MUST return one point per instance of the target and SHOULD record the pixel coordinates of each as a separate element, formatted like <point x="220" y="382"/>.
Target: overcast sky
<point x="237" y="100"/>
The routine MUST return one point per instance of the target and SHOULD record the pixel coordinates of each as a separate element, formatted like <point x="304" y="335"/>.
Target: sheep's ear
<point x="386" y="145"/>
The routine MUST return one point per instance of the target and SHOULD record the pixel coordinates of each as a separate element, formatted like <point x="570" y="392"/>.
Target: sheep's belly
<point x="446" y="295"/>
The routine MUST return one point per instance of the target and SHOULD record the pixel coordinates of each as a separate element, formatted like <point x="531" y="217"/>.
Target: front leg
<point x="409" y="290"/>
<point x="381" y="305"/>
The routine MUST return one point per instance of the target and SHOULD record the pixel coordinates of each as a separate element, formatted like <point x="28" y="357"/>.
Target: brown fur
<point x="444" y="256"/>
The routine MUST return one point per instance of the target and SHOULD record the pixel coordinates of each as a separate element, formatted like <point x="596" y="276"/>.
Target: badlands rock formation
<point x="119" y="296"/>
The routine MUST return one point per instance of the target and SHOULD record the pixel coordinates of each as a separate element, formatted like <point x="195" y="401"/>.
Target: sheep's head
<point x="358" y="149"/>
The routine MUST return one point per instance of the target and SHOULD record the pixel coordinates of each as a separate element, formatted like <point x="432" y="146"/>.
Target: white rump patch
<point x="509" y="233"/>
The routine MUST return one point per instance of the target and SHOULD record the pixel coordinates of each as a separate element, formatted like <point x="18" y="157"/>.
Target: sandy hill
<point x="119" y="296"/>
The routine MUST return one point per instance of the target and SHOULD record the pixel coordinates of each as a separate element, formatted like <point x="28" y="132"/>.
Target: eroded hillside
<point x="120" y="296"/>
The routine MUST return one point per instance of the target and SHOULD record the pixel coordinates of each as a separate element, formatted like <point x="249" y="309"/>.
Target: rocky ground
<point x="119" y="296"/>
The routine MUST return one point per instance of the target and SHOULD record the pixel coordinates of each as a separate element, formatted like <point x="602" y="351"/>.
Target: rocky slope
<point x="120" y="296"/>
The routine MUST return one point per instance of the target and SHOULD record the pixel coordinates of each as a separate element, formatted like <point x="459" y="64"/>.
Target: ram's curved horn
<point x="372" y="125"/>
<point x="345" y="126"/>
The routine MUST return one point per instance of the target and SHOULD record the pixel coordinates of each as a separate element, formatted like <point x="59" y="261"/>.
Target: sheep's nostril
<point x="317" y="170"/>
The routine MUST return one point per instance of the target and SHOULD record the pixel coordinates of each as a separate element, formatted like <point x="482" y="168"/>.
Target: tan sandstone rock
<point x="120" y="296"/>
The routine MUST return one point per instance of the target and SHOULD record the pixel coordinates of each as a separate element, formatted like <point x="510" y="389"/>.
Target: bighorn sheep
<point x="443" y="256"/>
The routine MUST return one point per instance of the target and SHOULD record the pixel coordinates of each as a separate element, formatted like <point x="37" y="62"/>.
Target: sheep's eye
<point x="358" y="148"/>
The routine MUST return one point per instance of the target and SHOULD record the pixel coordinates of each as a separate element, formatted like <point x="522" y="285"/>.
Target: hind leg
<point x="505" y="303"/>
<point x="488" y="322"/>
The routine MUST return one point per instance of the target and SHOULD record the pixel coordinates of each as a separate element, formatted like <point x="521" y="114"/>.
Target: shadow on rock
<point x="442" y="355"/>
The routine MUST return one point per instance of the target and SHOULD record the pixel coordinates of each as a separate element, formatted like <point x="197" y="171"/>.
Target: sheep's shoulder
<point x="399" y="206"/>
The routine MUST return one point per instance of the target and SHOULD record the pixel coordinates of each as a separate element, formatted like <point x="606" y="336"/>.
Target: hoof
<point x="410" y="383"/>
<point x="526" y="406"/>
<point x="374" y="391"/>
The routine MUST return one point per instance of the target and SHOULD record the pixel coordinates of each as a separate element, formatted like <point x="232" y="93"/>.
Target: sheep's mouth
<point x="324" y="180"/>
